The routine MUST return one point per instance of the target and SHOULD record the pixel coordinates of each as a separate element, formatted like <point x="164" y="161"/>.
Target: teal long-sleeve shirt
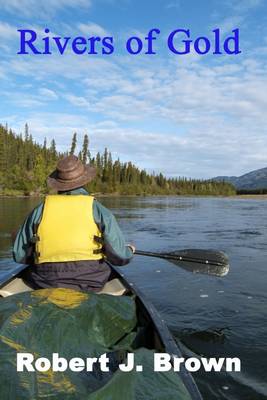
<point x="116" y="251"/>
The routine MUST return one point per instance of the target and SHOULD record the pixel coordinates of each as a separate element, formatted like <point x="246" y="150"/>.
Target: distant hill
<point x="253" y="180"/>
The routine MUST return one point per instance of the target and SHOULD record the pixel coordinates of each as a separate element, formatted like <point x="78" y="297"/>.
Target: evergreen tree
<point x="73" y="143"/>
<point x="85" y="151"/>
<point x="26" y="132"/>
<point x="24" y="166"/>
<point x="53" y="147"/>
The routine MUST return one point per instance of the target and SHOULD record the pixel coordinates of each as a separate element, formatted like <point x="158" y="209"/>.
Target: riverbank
<point x="20" y="194"/>
<point x="250" y="196"/>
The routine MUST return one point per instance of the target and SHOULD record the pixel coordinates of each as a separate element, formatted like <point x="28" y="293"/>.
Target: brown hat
<point x="71" y="173"/>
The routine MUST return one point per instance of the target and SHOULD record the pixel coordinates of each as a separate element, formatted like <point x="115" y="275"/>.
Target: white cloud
<point x="77" y="101"/>
<point x="240" y="11"/>
<point x="174" y="4"/>
<point x="224" y="105"/>
<point x="47" y="94"/>
<point x="21" y="98"/>
<point x="50" y="125"/>
<point x="243" y="5"/>
<point x="2" y="73"/>
<point x="36" y="7"/>
<point x="7" y="31"/>
<point x="181" y="115"/>
<point x="91" y="29"/>
<point x="230" y="23"/>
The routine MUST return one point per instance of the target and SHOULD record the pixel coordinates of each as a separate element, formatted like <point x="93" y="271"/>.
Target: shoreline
<point x="237" y="196"/>
<point x="250" y="196"/>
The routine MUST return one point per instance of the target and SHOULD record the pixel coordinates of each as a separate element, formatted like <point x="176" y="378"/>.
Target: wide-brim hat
<point x="70" y="173"/>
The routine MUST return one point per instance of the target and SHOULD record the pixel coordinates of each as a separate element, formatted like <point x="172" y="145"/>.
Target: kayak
<point x="156" y="334"/>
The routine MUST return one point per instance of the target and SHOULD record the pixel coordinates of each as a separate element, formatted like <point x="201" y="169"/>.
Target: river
<point x="212" y="317"/>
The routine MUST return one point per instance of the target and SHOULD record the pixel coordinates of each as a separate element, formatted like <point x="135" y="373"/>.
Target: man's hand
<point x="131" y="247"/>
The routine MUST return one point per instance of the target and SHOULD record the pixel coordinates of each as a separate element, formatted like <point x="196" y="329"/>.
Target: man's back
<point x="68" y="238"/>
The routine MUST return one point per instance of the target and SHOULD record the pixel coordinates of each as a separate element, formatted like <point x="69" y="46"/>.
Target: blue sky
<point x="194" y="116"/>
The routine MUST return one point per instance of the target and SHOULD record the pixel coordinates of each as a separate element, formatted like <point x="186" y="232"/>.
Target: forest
<point x="25" y="165"/>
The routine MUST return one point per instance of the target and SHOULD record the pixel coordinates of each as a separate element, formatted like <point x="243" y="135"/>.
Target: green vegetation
<point x="252" y="191"/>
<point x="24" y="166"/>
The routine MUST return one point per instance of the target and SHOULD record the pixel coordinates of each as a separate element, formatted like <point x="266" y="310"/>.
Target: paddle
<point x="210" y="262"/>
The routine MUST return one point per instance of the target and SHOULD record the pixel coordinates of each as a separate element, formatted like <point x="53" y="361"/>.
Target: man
<point x="68" y="237"/>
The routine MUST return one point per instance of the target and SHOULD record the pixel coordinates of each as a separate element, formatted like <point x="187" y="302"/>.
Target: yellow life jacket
<point x="67" y="230"/>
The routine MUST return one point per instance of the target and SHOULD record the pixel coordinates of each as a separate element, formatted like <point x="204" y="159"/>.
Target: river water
<point x="211" y="317"/>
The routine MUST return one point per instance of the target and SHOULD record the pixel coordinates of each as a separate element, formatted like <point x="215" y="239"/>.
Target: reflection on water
<point x="12" y="213"/>
<point x="218" y="317"/>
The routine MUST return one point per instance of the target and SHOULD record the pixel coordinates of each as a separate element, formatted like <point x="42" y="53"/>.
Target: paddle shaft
<point x="178" y="257"/>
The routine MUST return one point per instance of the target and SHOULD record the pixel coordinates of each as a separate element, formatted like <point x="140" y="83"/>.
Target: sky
<point x="190" y="115"/>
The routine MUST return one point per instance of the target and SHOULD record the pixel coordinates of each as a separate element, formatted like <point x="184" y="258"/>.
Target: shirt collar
<point x="75" y="191"/>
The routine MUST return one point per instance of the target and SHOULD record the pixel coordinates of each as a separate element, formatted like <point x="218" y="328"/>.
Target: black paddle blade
<point x="208" y="262"/>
